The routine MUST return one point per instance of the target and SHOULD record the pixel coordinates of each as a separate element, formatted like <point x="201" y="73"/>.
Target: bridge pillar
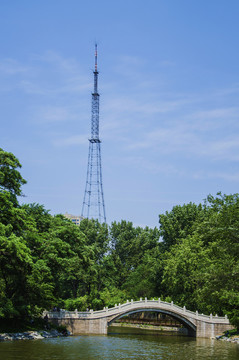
<point x="210" y="330"/>
<point x="83" y="326"/>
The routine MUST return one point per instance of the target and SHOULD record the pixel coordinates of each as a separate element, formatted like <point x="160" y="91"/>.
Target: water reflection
<point x="120" y="344"/>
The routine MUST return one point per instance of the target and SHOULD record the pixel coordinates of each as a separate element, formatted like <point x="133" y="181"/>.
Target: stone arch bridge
<point x="97" y="322"/>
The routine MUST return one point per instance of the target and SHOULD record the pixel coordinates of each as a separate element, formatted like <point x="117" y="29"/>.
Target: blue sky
<point x="169" y="110"/>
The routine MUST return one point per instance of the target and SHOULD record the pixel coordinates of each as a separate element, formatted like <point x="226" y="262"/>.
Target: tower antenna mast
<point x="93" y="204"/>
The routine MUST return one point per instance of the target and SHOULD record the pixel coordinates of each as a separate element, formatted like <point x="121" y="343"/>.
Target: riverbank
<point x="178" y="330"/>
<point x="232" y="339"/>
<point x="33" y="335"/>
<point x="230" y="336"/>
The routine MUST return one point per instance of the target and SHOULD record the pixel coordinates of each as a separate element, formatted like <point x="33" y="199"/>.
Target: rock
<point x="32" y="335"/>
<point x="18" y="336"/>
<point x="6" y="337"/>
<point x="55" y="333"/>
<point x="37" y="336"/>
<point x="45" y="334"/>
<point x="233" y="339"/>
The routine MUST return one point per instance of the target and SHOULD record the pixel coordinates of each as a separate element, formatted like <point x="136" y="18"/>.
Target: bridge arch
<point x="96" y="322"/>
<point x="189" y="325"/>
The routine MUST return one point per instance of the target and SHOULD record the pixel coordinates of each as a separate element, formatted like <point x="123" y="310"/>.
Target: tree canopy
<point x="48" y="261"/>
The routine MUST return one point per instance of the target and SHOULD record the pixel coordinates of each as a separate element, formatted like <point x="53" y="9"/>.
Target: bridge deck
<point x="142" y="305"/>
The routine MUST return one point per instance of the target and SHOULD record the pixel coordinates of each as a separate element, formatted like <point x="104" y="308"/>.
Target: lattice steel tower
<point x="93" y="203"/>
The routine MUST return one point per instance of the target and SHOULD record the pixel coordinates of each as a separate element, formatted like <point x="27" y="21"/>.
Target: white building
<point x="76" y="219"/>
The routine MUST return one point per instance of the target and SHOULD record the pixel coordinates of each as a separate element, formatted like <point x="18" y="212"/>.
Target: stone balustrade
<point x="97" y="322"/>
<point x="141" y="305"/>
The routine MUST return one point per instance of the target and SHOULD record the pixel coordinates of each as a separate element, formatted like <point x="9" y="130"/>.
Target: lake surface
<point x="120" y="343"/>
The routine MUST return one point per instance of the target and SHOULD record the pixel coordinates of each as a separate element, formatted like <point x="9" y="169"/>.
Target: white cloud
<point x="167" y="63"/>
<point x="68" y="65"/>
<point x="233" y="89"/>
<point x="227" y="149"/>
<point x="66" y="87"/>
<point x="191" y="125"/>
<point x="144" y="119"/>
<point x="152" y="166"/>
<point x="52" y="114"/>
<point x="128" y="65"/>
<point x="218" y="113"/>
<point x="71" y="140"/>
<point x="225" y="176"/>
<point x="49" y="75"/>
<point x="184" y="140"/>
<point x="12" y="67"/>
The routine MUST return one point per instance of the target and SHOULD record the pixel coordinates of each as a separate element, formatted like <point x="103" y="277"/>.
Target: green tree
<point x="21" y="296"/>
<point x="41" y="217"/>
<point x="201" y="270"/>
<point x="220" y="233"/>
<point x="183" y="266"/>
<point x="97" y="239"/>
<point x="10" y="187"/>
<point x="129" y="246"/>
<point x="25" y="286"/>
<point x="143" y="281"/>
<point x="180" y="222"/>
<point x="10" y="178"/>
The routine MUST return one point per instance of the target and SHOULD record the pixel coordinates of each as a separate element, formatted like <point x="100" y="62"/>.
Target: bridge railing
<point x="134" y="305"/>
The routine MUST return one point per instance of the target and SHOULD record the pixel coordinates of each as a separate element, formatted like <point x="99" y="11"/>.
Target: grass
<point x="230" y="333"/>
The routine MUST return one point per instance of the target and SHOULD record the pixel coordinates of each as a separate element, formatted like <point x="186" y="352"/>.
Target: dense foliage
<point x="48" y="261"/>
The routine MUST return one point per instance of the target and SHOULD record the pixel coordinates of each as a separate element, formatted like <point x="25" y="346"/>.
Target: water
<point x="119" y="344"/>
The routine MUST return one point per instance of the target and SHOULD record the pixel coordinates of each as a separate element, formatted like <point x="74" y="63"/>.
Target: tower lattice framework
<point x="93" y="203"/>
